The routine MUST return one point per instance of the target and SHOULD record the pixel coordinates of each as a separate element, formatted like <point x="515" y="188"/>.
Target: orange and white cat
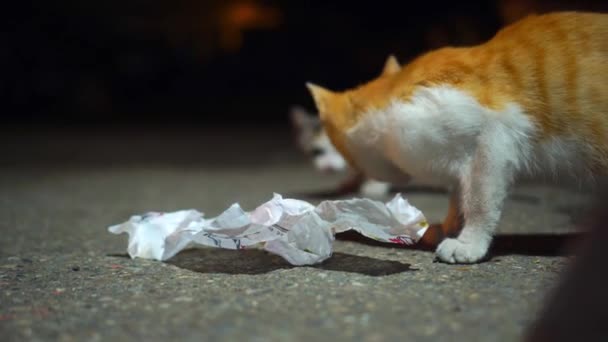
<point x="531" y="101"/>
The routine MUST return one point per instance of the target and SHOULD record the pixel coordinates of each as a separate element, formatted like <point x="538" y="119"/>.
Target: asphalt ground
<point x="64" y="277"/>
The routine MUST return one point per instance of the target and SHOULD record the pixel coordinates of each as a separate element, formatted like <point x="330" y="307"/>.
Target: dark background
<point x="223" y="61"/>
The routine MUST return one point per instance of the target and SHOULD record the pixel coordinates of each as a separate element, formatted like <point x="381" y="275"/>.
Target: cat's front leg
<point x="484" y="184"/>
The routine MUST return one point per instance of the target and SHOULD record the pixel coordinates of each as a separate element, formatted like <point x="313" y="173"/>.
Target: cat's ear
<point x="302" y="119"/>
<point x="391" y="66"/>
<point x="321" y="96"/>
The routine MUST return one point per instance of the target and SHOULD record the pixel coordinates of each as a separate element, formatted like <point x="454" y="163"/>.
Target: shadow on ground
<point x="254" y="261"/>
<point x="535" y="244"/>
<point x="212" y="260"/>
<point x="503" y="244"/>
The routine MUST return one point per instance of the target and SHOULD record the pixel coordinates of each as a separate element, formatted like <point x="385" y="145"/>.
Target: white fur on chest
<point x="434" y="136"/>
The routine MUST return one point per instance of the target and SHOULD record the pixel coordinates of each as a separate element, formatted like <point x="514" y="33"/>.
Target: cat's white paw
<point x="462" y="251"/>
<point x="373" y="188"/>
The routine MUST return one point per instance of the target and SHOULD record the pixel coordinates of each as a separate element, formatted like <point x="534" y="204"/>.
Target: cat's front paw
<point x="462" y="251"/>
<point x="374" y="189"/>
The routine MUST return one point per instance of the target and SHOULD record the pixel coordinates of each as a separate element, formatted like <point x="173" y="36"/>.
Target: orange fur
<point x="554" y="66"/>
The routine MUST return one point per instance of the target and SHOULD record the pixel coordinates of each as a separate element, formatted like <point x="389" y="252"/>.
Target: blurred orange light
<point x="242" y="16"/>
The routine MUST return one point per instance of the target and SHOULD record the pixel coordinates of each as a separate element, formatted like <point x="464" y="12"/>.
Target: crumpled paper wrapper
<point x="296" y="230"/>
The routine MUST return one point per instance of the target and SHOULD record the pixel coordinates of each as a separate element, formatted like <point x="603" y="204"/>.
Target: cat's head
<point x="339" y="111"/>
<point x="314" y="142"/>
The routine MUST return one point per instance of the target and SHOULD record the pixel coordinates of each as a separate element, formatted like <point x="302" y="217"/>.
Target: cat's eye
<point x="316" y="151"/>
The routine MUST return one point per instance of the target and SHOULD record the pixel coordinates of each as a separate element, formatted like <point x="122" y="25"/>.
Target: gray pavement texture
<point x="64" y="277"/>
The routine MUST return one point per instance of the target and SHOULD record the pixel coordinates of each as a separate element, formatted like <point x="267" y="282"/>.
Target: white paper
<point x="296" y="230"/>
